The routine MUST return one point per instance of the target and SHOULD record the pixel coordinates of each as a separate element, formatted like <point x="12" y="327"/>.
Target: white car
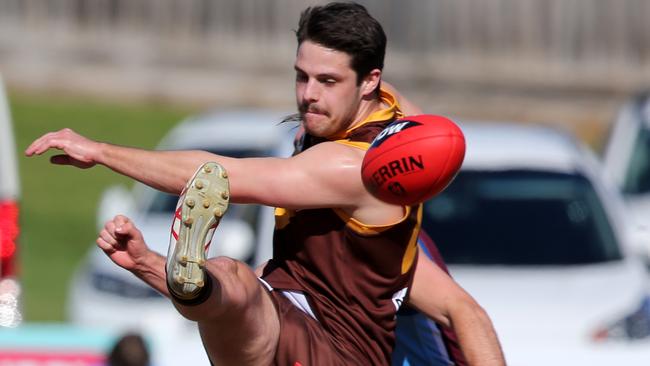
<point x="627" y="156"/>
<point x="10" y="289"/>
<point x="534" y="232"/>
<point x="106" y="296"/>
<point x="566" y="300"/>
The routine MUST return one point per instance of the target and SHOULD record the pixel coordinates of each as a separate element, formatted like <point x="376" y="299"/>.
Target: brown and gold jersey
<point x="354" y="276"/>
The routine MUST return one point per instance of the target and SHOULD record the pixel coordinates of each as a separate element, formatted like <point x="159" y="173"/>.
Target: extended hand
<point x="78" y="150"/>
<point x="123" y="243"/>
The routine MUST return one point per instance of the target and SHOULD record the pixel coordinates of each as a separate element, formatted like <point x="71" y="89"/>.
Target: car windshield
<point x="520" y="218"/>
<point x="637" y="179"/>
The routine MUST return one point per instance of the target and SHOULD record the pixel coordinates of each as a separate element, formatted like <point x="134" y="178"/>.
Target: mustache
<point x="310" y="108"/>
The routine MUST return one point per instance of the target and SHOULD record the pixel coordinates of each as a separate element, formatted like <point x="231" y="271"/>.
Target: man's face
<point x="327" y="93"/>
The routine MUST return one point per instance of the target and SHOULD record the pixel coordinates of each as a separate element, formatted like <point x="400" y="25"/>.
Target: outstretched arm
<point x="439" y="297"/>
<point x="164" y="170"/>
<point x="328" y="168"/>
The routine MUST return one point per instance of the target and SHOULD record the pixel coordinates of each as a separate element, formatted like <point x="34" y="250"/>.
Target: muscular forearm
<point x="476" y="335"/>
<point x="167" y="171"/>
<point x="439" y="297"/>
<point x="151" y="270"/>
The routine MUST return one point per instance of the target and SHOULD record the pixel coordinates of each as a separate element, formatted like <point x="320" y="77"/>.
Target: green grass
<point x="58" y="202"/>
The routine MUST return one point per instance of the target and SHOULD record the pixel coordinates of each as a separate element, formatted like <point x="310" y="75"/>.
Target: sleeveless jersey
<point x="355" y="276"/>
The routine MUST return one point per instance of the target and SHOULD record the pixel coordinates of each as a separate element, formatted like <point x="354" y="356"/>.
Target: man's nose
<point x="311" y="93"/>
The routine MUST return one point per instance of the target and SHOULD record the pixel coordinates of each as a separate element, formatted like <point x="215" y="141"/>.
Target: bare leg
<point x="236" y="317"/>
<point x="238" y="322"/>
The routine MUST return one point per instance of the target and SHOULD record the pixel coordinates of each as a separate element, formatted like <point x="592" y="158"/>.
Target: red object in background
<point x="9" y="230"/>
<point x="17" y="358"/>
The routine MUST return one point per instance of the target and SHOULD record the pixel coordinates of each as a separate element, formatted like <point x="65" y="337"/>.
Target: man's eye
<point x="301" y="77"/>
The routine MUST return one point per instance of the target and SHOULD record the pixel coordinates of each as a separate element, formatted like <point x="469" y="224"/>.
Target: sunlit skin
<point x="327" y="94"/>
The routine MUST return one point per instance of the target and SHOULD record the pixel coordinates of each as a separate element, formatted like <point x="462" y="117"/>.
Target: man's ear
<point x="370" y="83"/>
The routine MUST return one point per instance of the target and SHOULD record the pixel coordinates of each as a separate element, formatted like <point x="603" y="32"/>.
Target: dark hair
<point x="349" y="28"/>
<point x="130" y="350"/>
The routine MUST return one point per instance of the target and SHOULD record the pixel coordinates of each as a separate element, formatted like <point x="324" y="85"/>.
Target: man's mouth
<point x="312" y="110"/>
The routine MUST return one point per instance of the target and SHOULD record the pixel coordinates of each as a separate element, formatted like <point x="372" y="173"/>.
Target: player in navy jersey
<point x="419" y="341"/>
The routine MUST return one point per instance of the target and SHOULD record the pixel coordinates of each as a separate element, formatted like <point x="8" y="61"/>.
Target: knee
<point x="224" y="266"/>
<point x="237" y="282"/>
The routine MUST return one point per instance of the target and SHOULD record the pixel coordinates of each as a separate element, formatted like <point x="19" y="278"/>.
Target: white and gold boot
<point x="200" y="207"/>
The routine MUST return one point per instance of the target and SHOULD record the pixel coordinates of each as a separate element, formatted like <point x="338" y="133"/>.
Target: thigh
<point x="303" y="341"/>
<point x="239" y="324"/>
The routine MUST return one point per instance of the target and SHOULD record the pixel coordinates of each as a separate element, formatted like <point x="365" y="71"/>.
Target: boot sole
<point x="205" y="202"/>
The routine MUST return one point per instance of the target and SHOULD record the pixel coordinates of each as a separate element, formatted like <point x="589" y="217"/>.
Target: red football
<point x="413" y="159"/>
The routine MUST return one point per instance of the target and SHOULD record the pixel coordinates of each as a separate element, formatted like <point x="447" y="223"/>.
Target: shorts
<point x="302" y="340"/>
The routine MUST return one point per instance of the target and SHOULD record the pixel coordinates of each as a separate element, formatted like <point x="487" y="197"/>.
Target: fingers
<point x="115" y="227"/>
<point x="120" y="235"/>
<point x="122" y="224"/>
<point x="43" y="143"/>
<point x="108" y="238"/>
<point x="120" y="220"/>
<point x="62" y="140"/>
<point x="117" y="233"/>
<point x="35" y="146"/>
<point x="125" y="228"/>
<point x="78" y="150"/>
<point x="114" y="234"/>
<point x="105" y="246"/>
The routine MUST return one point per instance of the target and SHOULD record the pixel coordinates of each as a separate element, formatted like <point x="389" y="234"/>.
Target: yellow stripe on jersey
<point x="393" y="111"/>
<point x="282" y="217"/>
<point x="358" y="144"/>
<point x="366" y="229"/>
<point x="412" y="248"/>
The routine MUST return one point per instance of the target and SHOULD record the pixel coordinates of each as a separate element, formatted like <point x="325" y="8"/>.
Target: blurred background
<point x="127" y="71"/>
<point x="568" y="61"/>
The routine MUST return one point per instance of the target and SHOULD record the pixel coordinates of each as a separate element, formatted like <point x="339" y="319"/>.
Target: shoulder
<point x="335" y="164"/>
<point x="335" y="167"/>
<point x="334" y="152"/>
<point x="338" y="166"/>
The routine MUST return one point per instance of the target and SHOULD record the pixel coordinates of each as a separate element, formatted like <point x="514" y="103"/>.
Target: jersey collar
<point x="391" y="112"/>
